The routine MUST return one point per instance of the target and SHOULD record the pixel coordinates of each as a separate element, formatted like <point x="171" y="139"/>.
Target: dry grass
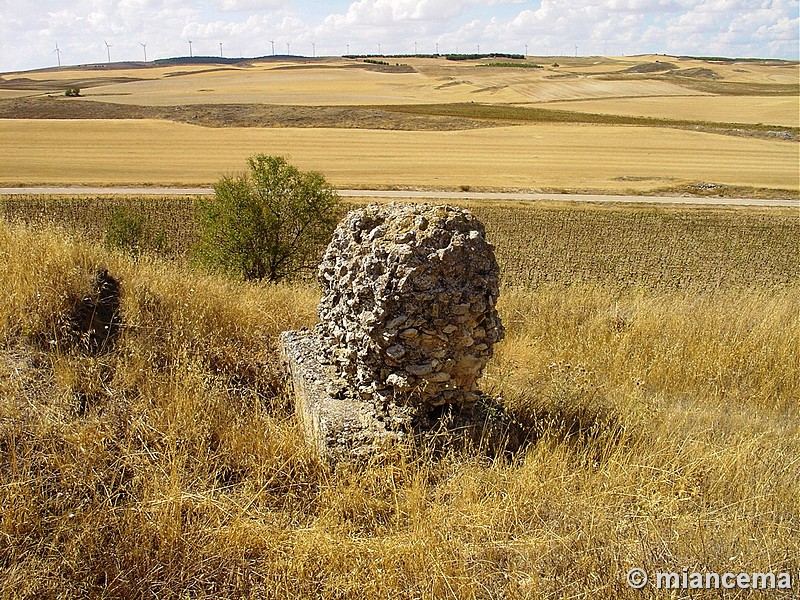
<point x="664" y="424"/>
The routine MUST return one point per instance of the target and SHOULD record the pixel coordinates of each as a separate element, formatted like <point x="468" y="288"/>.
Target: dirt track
<point x="420" y="195"/>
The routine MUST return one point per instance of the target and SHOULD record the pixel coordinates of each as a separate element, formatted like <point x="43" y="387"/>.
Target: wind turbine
<point x="58" y="53"/>
<point x="287" y="49"/>
<point x="273" y="46"/>
<point x="314" y="49"/>
<point x="108" y="50"/>
<point x="144" y="47"/>
<point x="190" y="48"/>
<point x="220" y="49"/>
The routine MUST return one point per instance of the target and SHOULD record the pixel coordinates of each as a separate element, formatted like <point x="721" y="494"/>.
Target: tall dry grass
<point x="664" y="433"/>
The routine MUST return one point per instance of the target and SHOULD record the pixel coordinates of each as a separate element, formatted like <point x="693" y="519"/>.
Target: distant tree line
<point x="479" y="56"/>
<point x="446" y="56"/>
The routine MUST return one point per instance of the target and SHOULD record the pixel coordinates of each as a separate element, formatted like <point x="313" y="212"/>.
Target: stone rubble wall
<point x="408" y="311"/>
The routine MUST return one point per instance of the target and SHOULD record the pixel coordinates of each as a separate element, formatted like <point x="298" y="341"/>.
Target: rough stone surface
<point x="345" y="427"/>
<point x="407" y="324"/>
<point x="408" y="306"/>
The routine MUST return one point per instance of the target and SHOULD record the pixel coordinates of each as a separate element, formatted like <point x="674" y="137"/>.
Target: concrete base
<point x="337" y="427"/>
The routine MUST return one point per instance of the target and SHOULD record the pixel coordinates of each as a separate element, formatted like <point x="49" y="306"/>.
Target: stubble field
<point x="777" y="110"/>
<point x="545" y="156"/>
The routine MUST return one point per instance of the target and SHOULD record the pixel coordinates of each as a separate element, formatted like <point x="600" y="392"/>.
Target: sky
<point x="91" y="31"/>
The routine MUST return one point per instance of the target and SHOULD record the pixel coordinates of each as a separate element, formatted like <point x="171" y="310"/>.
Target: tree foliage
<point x="269" y="223"/>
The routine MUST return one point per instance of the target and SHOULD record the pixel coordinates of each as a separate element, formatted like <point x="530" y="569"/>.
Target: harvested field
<point x="767" y="110"/>
<point x="352" y="82"/>
<point x="238" y="115"/>
<point x="536" y="243"/>
<point x="428" y="123"/>
<point x="406" y="117"/>
<point x="525" y="157"/>
<point x="353" y="86"/>
<point x="656" y="248"/>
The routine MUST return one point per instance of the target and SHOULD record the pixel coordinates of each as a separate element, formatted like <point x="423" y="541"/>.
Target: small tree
<point x="270" y="223"/>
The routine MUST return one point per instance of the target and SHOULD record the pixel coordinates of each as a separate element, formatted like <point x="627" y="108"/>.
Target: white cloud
<point x="250" y="5"/>
<point x="632" y="26"/>
<point x="724" y="27"/>
<point x="382" y="12"/>
<point x="735" y="28"/>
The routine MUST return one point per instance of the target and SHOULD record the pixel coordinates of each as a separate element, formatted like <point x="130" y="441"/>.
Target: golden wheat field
<point x="554" y="156"/>
<point x="332" y="81"/>
<point x="777" y="110"/>
<point x="717" y="122"/>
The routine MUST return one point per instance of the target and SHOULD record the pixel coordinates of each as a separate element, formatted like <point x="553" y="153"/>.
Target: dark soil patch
<point x="653" y="67"/>
<point x="49" y="85"/>
<point x="94" y="322"/>
<point x="700" y="72"/>
<point x="67" y="108"/>
<point x="237" y="115"/>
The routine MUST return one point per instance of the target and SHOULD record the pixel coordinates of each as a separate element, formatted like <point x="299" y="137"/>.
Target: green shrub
<point x="270" y="223"/>
<point x="125" y="231"/>
<point x="129" y="232"/>
<point x="72" y="92"/>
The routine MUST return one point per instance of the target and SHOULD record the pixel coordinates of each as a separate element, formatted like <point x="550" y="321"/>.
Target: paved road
<point x="430" y="195"/>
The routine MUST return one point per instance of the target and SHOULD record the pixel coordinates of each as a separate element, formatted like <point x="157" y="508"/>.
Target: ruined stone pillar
<point x="407" y="323"/>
